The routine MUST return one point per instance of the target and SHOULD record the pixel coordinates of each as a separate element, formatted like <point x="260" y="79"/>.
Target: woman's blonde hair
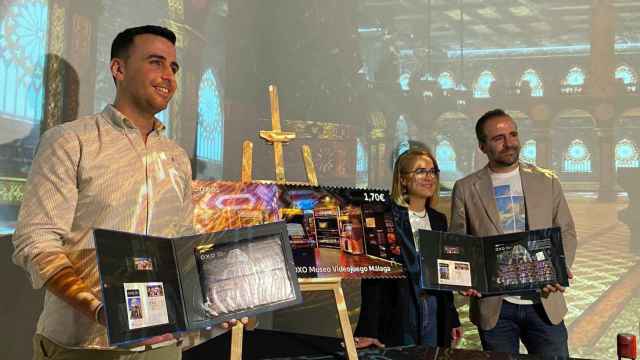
<point x="402" y="166"/>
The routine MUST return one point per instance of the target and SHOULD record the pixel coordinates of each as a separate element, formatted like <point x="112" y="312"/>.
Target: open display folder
<point x="153" y="286"/>
<point x="501" y="264"/>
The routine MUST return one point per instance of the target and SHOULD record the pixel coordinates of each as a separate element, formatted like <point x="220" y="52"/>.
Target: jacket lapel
<point x="484" y="187"/>
<point x="534" y="197"/>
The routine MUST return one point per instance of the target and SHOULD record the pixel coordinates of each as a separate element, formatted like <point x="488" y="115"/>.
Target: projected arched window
<point x="626" y="74"/>
<point x="482" y="85"/>
<point x="627" y="154"/>
<point x="446" y="157"/>
<point x="577" y="158"/>
<point x="531" y="76"/>
<point x="362" y="165"/>
<point x="404" y="80"/>
<point x="528" y="152"/>
<point x="446" y="81"/>
<point x="575" y="77"/>
<point x="163" y="116"/>
<point x="402" y="134"/>
<point x="22" y="52"/>
<point x="210" y="121"/>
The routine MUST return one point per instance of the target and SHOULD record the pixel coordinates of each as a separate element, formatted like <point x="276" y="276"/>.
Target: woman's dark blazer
<point x="389" y="310"/>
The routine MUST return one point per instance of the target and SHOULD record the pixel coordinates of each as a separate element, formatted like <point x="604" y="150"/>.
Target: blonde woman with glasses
<point x="398" y="312"/>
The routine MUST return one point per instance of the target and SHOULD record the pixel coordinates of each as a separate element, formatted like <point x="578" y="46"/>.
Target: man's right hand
<point x="470" y="292"/>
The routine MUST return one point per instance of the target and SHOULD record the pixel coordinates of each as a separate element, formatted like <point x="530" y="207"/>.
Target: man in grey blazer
<point x="509" y="196"/>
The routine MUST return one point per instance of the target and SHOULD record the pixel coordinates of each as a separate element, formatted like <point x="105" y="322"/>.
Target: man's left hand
<point x="231" y="323"/>
<point x="551" y="288"/>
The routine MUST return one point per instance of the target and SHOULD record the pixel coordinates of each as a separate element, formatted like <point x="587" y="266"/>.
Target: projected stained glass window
<point x="22" y="54"/>
<point x="628" y="77"/>
<point x="531" y="76"/>
<point x="210" y="121"/>
<point x="577" y="158"/>
<point x="446" y="81"/>
<point x="402" y="134"/>
<point x="163" y="116"/>
<point x="483" y="84"/>
<point x="362" y="165"/>
<point x="626" y="74"/>
<point x="446" y="157"/>
<point x="404" y="80"/>
<point x="528" y="152"/>
<point x="627" y="154"/>
<point x="575" y="77"/>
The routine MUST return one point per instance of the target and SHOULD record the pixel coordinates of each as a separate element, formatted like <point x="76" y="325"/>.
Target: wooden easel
<point x="277" y="137"/>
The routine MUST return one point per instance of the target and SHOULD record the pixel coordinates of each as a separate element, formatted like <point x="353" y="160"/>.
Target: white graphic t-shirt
<point x="507" y="190"/>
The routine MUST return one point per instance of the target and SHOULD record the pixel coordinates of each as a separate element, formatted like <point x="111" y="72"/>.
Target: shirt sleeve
<point x="48" y="207"/>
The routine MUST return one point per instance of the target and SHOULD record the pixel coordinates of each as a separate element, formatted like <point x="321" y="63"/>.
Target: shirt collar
<point x="117" y="119"/>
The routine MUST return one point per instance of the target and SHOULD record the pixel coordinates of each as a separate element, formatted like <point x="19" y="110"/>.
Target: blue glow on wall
<point x="483" y="84"/>
<point x="626" y="74"/>
<point x="362" y="165"/>
<point x="577" y="158"/>
<point x="404" y="81"/>
<point x="528" y="153"/>
<point x="531" y="76"/>
<point x="210" y="121"/>
<point x="446" y="81"/>
<point x="627" y="154"/>
<point x="22" y="54"/>
<point x="540" y="50"/>
<point x="446" y="157"/>
<point x="575" y="77"/>
<point x="402" y="134"/>
<point x="163" y="116"/>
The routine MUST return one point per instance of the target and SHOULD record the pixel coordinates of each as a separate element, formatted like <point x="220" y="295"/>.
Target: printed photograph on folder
<point x="146" y="305"/>
<point x="334" y="232"/>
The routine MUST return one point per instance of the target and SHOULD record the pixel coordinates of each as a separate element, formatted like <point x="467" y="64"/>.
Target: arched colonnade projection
<point x="627" y="139"/>
<point x="558" y="105"/>
<point x="569" y="141"/>
<point x="488" y="82"/>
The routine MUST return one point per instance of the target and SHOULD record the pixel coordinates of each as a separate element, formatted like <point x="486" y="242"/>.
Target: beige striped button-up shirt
<point x="96" y="172"/>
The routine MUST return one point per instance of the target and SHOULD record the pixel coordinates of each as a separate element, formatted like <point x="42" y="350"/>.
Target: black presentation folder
<point x="502" y="264"/>
<point x="153" y="285"/>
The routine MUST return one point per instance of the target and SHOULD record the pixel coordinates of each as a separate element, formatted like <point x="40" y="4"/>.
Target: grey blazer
<point x="474" y="212"/>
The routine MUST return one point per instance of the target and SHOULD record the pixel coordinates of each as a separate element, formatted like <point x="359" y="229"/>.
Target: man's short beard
<point x="501" y="163"/>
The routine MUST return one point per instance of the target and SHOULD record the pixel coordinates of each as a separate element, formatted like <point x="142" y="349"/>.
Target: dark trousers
<point x="530" y="324"/>
<point x="429" y="326"/>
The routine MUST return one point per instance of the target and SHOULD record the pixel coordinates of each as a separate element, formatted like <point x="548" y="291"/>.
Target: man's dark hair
<point x="482" y="137"/>
<point x="124" y="40"/>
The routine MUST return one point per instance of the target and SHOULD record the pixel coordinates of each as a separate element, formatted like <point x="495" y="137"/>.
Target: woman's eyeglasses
<point x="423" y="172"/>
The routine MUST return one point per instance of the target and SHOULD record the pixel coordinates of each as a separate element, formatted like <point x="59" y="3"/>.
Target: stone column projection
<point x="607" y="176"/>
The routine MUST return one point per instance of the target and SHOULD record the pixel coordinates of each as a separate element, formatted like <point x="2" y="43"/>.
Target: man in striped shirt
<point x="113" y="170"/>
